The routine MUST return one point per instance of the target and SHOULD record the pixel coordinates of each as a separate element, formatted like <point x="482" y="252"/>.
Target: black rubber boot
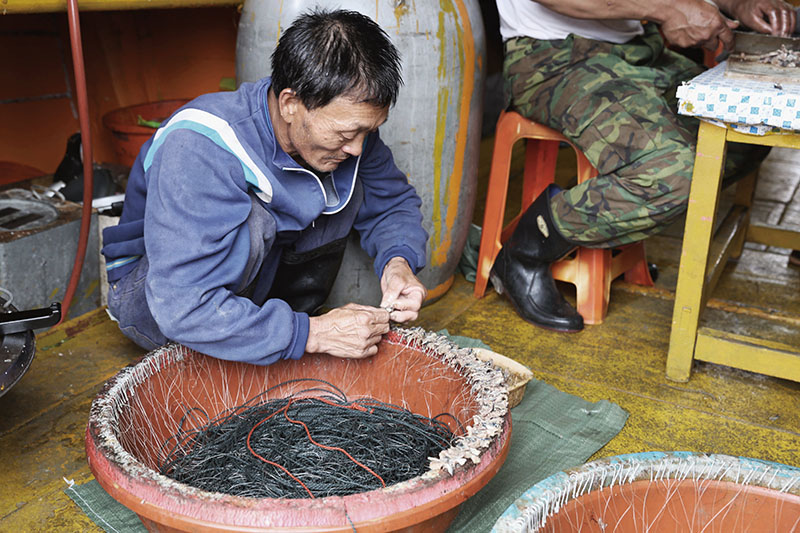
<point x="522" y="269"/>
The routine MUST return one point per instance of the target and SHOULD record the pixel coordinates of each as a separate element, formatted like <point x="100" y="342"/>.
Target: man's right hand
<point x="684" y="23"/>
<point x="352" y="331"/>
<point x="688" y="23"/>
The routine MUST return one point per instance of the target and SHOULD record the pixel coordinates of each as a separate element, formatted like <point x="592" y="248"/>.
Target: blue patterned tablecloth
<point x="748" y="106"/>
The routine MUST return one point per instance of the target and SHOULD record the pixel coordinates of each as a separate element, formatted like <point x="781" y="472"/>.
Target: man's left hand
<point x="402" y="291"/>
<point x="775" y="17"/>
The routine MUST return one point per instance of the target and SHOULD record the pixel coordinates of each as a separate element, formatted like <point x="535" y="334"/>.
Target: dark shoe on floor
<point x="536" y="298"/>
<point x="794" y="258"/>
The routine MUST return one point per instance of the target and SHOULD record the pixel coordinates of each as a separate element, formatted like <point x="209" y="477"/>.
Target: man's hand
<point x="775" y="17"/>
<point x="352" y="331"/>
<point x="684" y="23"/>
<point x="692" y="23"/>
<point x="401" y="290"/>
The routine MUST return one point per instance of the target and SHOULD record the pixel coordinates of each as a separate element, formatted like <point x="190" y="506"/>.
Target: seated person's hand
<point x="694" y="23"/>
<point x="775" y="17"/>
<point x="401" y="290"/>
<point x="352" y="331"/>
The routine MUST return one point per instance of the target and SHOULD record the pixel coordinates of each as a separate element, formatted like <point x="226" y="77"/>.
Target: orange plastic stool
<point x="592" y="269"/>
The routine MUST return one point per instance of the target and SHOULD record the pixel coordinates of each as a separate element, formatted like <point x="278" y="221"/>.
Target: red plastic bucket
<point x="128" y="135"/>
<point x="139" y="408"/>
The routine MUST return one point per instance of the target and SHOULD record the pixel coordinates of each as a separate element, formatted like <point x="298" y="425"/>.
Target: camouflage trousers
<point x="617" y="104"/>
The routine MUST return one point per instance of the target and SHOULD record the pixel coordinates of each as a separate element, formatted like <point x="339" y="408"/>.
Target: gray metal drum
<point x="433" y="131"/>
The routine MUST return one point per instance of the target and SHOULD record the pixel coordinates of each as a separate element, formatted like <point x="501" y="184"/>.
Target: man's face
<point x="324" y="137"/>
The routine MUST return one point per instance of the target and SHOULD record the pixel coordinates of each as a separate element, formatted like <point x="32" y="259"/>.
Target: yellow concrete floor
<point x="719" y="410"/>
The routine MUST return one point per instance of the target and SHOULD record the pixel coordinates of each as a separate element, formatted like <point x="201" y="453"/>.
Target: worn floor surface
<point x="719" y="410"/>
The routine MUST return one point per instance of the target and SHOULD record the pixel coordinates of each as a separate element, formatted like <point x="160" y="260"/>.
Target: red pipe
<point x="86" y="144"/>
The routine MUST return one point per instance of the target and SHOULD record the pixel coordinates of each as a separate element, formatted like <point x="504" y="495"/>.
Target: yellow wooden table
<point x="706" y="251"/>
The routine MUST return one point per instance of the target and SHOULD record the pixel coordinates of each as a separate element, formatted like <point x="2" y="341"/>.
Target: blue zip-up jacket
<point x="186" y="207"/>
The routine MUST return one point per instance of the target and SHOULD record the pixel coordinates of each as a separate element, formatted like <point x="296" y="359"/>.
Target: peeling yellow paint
<point x="91" y="289"/>
<point x="466" y="55"/>
<point x="400" y="10"/>
<point x="441" y="34"/>
<point x="278" y="35"/>
<point x="438" y="148"/>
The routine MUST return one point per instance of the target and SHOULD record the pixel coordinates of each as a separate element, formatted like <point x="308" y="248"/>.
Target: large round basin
<point x="143" y="405"/>
<point x="661" y="491"/>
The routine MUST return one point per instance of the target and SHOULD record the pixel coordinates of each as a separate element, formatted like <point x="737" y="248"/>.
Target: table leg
<point x="703" y="199"/>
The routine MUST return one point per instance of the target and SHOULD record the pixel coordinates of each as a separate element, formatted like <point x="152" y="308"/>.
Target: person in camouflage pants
<point x="617" y="104"/>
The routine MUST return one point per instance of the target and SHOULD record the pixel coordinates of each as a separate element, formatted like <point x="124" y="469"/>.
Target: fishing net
<point x="315" y="443"/>
<point x="659" y="491"/>
<point x="147" y="420"/>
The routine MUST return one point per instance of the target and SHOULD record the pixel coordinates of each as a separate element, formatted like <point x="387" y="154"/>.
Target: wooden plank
<point x="785" y="138"/>
<point x="774" y="235"/>
<point x="726" y="238"/>
<point x="748" y="353"/>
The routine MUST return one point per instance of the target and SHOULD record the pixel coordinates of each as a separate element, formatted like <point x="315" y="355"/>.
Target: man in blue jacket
<point x="238" y="208"/>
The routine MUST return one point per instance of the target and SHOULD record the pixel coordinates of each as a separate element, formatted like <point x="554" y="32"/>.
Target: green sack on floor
<point x="468" y="263"/>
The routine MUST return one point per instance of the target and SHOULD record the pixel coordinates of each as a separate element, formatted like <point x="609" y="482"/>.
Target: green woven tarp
<point x="104" y="510"/>
<point x="551" y="431"/>
<point x="468" y="262"/>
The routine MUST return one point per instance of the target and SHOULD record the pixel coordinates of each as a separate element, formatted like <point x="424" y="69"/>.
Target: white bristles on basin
<point x="491" y="394"/>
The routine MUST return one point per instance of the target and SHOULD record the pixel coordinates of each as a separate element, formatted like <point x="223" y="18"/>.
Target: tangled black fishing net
<point x="313" y="443"/>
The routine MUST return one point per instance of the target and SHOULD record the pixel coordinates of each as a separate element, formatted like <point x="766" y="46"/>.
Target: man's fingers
<point x="391" y="294"/>
<point x="372" y="315"/>
<point x="726" y="35"/>
<point x="375" y="339"/>
<point x="788" y="17"/>
<point x="407" y="306"/>
<point x="774" y="22"/>
<point x="758" y="18"/>
<point x="351" y="331"/>
<point x="372" y="350"/>
<point x="388" y="300"/>
<point x="367" y="351"/>
<point x="404" y="316"/>
<point x="381" y="317"/>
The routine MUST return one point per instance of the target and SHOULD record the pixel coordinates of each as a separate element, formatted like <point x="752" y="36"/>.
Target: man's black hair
<point x="325" y="54"/>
